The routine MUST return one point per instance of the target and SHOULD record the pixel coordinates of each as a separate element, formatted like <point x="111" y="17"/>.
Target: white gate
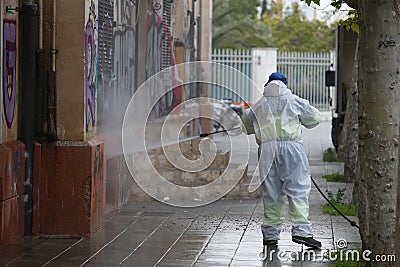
<point x="306" y="75"/>
<point x="305" y="72"/>
<point x="238" y="60"/>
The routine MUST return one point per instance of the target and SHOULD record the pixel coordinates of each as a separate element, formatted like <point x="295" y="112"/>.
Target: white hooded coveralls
<point x="276" y="120"/>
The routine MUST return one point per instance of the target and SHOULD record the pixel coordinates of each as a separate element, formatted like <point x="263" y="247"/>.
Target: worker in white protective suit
<point x="276" y="121"/>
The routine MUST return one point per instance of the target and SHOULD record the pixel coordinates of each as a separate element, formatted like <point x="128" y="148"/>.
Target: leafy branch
<point x="351" y="23"/>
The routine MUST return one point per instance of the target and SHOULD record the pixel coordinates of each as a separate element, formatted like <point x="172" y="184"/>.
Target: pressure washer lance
<point x="222" y="131"/>
<point x="352" y="223"/>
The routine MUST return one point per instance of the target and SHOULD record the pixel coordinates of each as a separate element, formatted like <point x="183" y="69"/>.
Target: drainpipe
<point x="193" y="87"/>
<point x="54" y="35"/>
<point x="29" y="32"/>
<point x="40" y="94"/>
<point x="40" y="24"/>
<point x="191" y="30"/>
<point x="200" y="31"/>
<point x="51" y="97"/>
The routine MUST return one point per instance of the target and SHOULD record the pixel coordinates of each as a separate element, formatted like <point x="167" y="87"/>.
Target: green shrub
<point x="348" y="209"/>
<point x="334" y="177"/>
<point x="330" y="155"/>
<point x="349" y="262"/>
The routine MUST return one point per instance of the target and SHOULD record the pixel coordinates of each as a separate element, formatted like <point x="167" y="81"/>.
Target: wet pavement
<point x="224" y="233"/>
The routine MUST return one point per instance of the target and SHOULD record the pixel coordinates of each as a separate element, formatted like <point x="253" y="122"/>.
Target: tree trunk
<point x="379" y="112"/>
<point x="348" y="145"/>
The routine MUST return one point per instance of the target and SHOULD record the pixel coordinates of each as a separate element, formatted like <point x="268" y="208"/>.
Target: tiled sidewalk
<point x="225" y="233"/>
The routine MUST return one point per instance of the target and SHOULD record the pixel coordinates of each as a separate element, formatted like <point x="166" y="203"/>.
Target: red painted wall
<point x="12" y="178"/>
<point x="69" y="191"/>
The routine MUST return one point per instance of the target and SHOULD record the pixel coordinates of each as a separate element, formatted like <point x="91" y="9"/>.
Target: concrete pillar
<point x="9" y="71"/>
<point x="264" y="63"/>
<point x="69" y="192"/>
<point x="206" y="28"/>
<point x="203" y="10"/>
<point x="12" y="151"/>
<point x="69" y="174"/>
<point x="180" y="24"/>
<point x="12" y="180"/>
<point x="76" y="65"/>
<point x="141" y="28"/>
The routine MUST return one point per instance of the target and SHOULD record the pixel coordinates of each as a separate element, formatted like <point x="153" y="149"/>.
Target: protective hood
<point x="276" y="88"/>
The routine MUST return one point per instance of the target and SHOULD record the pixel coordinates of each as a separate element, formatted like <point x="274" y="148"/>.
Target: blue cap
<point x="277" y="76"/>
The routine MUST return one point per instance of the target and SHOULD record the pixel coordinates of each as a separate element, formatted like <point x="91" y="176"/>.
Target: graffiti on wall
<point x="13" y="170"/>
<point x="126" y="12"/>
<point x="98" y="172"/>
<point x="124" y="63"/>
<point x="118" y="43"/>
<point x="97" y="191"/>
<point x="154" y="41"/>
<point x="124" y="49"/>
<point x="120" y="84"/>
<point x="10" y="89"/>
<point x="157" y="31"/>
<point x="91" y="70"/>
<point x="17" y="165"/>
<point x="177" y="82"/>
<point x="154" y="53"/>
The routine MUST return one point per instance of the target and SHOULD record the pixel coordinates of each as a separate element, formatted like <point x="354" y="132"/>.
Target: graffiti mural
<point x="17" y="165"/>
<point x="178" y="87"/>
<point x="126" y="12"/>
<point x="154" y="42"/>
<point x="10" y="89"/>
<point x="154" y="51"/>
<point x="158" y="31"/>
<point x="124" y="63"/>
<point x="98" y="172"/>
<point x="124" y="50"/>
<point x="119" y="80"/>
<point x="91" y="70"/>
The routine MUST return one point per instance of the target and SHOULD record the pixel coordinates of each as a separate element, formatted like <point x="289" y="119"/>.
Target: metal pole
<point x="40" y="24"/>
<point x="51" y="90"/>
<point x="53" y="44"/>
<point x="40" y="95"/>
<point x="29" y="36"/>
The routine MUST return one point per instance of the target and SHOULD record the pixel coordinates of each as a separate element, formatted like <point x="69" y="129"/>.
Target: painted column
<point x="12" y="151"/>
<point x="205" y="13"/>
<point x="91" y="53"/>
<point x="264" y="63"/>
<point x="125" y="71"/>
<point x="76" y="43"/>
<point x="206" y="28"/>
<point x="73" y="203"/>
<point x="9" y="71"/>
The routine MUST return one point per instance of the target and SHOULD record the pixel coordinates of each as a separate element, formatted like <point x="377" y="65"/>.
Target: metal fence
<point x="305" y="72"/>
<point x="240" y="86"/>
<point x="306" y="75"/>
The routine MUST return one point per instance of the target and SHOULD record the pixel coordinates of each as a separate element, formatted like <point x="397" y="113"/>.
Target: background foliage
<point x="237" y="24"/>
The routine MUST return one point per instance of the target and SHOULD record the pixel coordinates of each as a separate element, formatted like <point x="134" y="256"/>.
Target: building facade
<point x="68" y="71"/>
